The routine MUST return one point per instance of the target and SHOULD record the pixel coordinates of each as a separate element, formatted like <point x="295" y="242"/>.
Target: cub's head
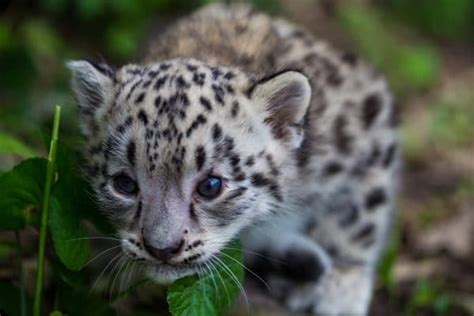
<point x="183" y="156"/>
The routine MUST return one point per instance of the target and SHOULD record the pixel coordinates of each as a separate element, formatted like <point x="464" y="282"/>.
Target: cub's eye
<point x="210" y="187"/>
<point x="125" y="185"/>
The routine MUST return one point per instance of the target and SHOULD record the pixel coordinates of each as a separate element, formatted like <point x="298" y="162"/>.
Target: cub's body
<point x="302" y="135"/>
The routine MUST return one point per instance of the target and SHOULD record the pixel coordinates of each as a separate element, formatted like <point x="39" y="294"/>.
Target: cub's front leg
<point x="300" y="274"/>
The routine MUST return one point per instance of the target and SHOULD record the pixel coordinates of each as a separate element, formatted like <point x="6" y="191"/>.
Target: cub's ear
<point x="93" y="85"/>
<point x="283" y="99"/>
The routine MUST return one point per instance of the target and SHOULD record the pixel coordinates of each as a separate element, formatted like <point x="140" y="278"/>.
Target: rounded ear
<point x="283" y="99"/>
<point x="93" y="86"/>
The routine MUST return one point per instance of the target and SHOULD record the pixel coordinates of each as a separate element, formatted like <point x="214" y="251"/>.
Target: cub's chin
<point x="166" y="274"/>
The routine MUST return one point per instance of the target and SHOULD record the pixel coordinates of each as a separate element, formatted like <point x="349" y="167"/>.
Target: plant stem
<point x="44" y="212"/>
<point x="20" y="271"/>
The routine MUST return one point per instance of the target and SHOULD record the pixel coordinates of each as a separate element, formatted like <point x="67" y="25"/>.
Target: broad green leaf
<point x="11" y="145"/>
<point x="68" y="236"/>
<point x="22" y="190"/>
<point x="211" y="294"/>
<point x="56" y="313"/>
<point x="74" y="193"/>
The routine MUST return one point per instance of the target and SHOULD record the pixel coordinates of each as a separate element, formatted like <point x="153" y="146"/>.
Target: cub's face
<point x="183" y="156"/>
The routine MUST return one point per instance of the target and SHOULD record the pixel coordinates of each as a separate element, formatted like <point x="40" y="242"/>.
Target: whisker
<point x="256" y="253"/>
<point x="99" y="255"/>
<point x="211" y="275"/>
<point x="92" y="238"/>
<point x="123" y="260"/>
<point x="247" y="269"/>
<point x="103" y="271"/>
<point x="220" y="278"/>
<point x="234" y="278"/>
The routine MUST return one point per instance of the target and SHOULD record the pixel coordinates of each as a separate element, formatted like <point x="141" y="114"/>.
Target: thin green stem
<point x="44" y="212"/>
<point x="20" y="272"/>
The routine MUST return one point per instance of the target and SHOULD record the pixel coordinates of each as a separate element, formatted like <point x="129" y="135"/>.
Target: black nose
<point x="164" y="254"/>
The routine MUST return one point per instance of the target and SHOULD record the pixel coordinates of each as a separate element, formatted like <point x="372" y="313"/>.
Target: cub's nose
<point x="164" y="254"/>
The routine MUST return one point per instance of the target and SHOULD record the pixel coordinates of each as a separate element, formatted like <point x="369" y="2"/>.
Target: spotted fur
<point x="302" y="134"/>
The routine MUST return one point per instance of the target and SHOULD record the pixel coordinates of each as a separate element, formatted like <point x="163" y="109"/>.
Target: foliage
<point x="410" y="67"/>
<point x="213" y="293"/>
<point x="451" y="19"/>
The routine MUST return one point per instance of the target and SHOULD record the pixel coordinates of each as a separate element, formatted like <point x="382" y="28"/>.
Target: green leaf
<point x="68" y="236"/>
<point x="11" y="145"/>
<point x="213" y="293"/>
<point x="74" y="193"/>
<point x="56" y="313"/>
<point x="22" y="190"/>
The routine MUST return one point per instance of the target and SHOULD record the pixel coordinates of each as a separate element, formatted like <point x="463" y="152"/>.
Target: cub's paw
<point x="339" y="292"/>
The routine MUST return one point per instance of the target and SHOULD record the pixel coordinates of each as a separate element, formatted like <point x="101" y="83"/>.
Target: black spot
<point x="191" y="68"/>
<point x="389" y="155"/>
<point x="153" y="73"/>
<point x="374" y="155"/>
<point x="131" y="152"/>
<point x="192" y="212"/>
<point x="197" y="243"/>
<point x="349" y="58"/>
<point x="160" y="82"/>
<point x="205" y="103"/>
<point x="370" y="109"/>
<point x="343" y="140"/>
<point x="229" y="89"/>
<point x="165" y="66"/>
<point x="218" y="93"/>
<point x="350" y="217"/>
<point x="140" y="98"/>
<point x="181" y="82"/>
<point x="200" y="119"/>
<point x="215" y="73"/>
<point x="250" y="161"/>
<point x="229" y="75"/>
<point x="200" y="157"/>
<point x="199" y="78"/>
<point x="239" y="177"/>
<point x="332" y="168"/>
<point x="259" y="180"/>
<point x="375" y="198"/>
<point x="216" y="132"/>
<point x="229" y="143"/>
<point x="135" y="85"/>
<point x="158" y="102"/>
<point x="234" y="160"/>
<point x="143" y="117"/>
<point x="365" y="232"/>
<point x="235" y="109"/>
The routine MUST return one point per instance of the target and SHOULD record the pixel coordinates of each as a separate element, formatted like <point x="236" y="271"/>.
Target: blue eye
<point x="210" y="187"/>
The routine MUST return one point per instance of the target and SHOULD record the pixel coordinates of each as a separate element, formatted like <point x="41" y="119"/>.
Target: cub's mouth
<point x="165" y="269"/>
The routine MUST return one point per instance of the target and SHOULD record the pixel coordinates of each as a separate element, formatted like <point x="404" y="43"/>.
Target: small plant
<point x="51" y="196"/>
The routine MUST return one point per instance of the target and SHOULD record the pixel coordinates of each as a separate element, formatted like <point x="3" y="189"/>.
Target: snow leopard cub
<point x="238" y="124"/>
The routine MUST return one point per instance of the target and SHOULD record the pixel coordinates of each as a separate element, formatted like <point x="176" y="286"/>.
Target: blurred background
<point x="425" y="47"/>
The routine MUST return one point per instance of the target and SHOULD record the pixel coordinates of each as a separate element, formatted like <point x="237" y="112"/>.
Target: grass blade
<point x="44" y="212"/>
